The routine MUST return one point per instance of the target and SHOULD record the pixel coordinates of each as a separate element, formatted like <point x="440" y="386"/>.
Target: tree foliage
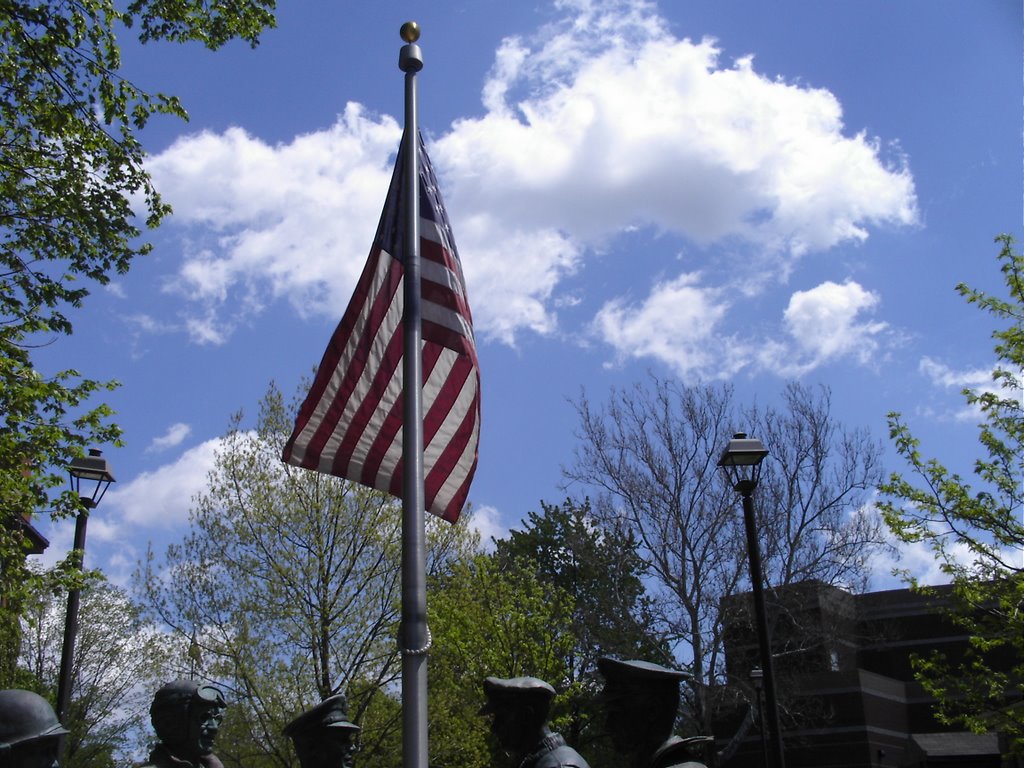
<point x="119" y="657"/>
<point x="651" y="454"/>
<point x="72" y="163"/>
<point x="44" y="424"/>
<point x="488" y="617"/>
<point x="602" y="572"/>
<point x="977" y="531"/>
<point x="289" y="582"/>
<point x="73" y="195"/>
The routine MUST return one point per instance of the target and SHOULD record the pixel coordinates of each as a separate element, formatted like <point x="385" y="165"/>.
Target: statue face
<point x="203" y="725"/>
<point x="327" y="748"/>
<point x="38" y="753"/>
<point x="514" y="729"/>
<point x="621" y="721"/>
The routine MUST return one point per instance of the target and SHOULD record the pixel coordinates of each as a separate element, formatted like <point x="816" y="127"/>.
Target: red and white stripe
<point x="350" y="424"/>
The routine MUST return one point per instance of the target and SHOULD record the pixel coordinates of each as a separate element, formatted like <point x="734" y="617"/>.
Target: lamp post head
<point x="756" y="678"/>
<point x="91" y="469"/>
<point x="741" y="461"/>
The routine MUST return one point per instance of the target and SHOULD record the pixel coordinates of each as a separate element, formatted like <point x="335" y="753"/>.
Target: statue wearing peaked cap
<point x="30" y="733"/>
<point x="323" y="736"/>
<point x="186" y="717"/>
<point x="641" y="700"/>
<point x="520" y="706"/>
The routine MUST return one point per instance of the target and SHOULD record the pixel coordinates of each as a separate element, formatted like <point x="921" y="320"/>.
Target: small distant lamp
<point x="741" y="461"/>
<point x="90" y="477"/>
<point x="757" y="683"/>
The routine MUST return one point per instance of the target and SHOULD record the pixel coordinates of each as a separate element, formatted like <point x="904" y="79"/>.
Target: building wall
<point x="845" y="681"/>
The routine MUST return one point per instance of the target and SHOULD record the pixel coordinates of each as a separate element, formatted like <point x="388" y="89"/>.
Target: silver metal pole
<point x="414" y="635"/>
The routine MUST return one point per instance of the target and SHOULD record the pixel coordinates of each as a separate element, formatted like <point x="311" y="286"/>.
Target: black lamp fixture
<point x="92" y="471"/>
<point x="741" y="461"/>
<point x="756" y="678"/>
<point x="757" y="683"/>
<point x="90" y="477"/>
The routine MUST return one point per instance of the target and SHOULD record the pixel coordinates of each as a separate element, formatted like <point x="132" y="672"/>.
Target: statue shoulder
<point x="553" y="752"/>
<point x="154" y="761"/>
<point x="161" y="758"/>
<point x="562" y="756"/>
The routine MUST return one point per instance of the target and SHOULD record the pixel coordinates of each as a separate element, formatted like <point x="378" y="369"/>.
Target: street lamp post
<point x="757" y="683"/>
<point x="741" y="461"/>
<point x="94" y="472"/>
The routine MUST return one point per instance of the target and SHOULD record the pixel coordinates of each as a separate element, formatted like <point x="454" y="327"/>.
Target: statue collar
<point x="161" y="756"/>
<point x="549" y="743"/>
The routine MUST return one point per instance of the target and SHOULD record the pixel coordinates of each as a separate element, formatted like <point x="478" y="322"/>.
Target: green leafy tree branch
<point x="74" y="199"/>
<point x="940" y="508"/>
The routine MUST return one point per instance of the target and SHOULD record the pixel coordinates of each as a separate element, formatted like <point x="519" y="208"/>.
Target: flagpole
<point x="413" y="633"/>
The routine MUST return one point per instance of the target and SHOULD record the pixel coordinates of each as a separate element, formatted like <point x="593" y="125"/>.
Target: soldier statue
<point x="323" y="736"/>
<point x="520" y="707"/>
<point x="186" y="717"/>
<point x="30" y="733"/>
<point x="641" y="700"/>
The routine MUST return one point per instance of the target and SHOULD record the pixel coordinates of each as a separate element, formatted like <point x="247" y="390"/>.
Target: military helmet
<point x="329" y="713"/>
<point x="516" y="691"/>
<point x="26" y="716"/>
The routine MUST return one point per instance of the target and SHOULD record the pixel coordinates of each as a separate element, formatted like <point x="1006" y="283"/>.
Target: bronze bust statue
<point x="323" y="736"/>
<point x="186" y="717"/>
<point x="641" y="700"/>
<point x="521" y="706"/>
<point x="30" y="733"/>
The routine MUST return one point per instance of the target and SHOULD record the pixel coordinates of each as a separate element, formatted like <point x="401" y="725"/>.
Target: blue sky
<point x="741" y="191"/>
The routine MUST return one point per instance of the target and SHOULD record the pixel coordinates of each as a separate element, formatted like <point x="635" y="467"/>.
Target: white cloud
<point x="916" y="560"/>
<point x="145" y="323"/>
<point x="637" y="126"/>
<point x="511" y="277"/>
<point x="682" y="323"/>
<point x="890" y="565"/>
<point x="826" y="323"/>
<point x="674" y="324"/>
<point x="121" y="564"/>
<point x="174" y="436"/>
<point x="487" y="522"/>
<point x="162" y="498"/>
<point x="601" y="123"/>
<point x="920" y="561"/>
<point x="115" y="288"/>
<point x="292" y="221"/>
<point x="978" y="380"/>
<point x="941" y="375"/>
<point x="60" y="534"/>
<point x="102" y="528"/>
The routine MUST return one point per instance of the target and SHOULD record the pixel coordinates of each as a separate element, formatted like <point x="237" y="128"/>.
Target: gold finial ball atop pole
<point x="410" y="32"/>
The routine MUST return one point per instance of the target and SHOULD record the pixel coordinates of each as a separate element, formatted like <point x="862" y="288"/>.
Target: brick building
<point x="843" y="665"/>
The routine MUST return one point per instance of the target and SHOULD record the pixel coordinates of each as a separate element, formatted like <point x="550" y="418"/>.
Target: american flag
<point x="350" y="424"/>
